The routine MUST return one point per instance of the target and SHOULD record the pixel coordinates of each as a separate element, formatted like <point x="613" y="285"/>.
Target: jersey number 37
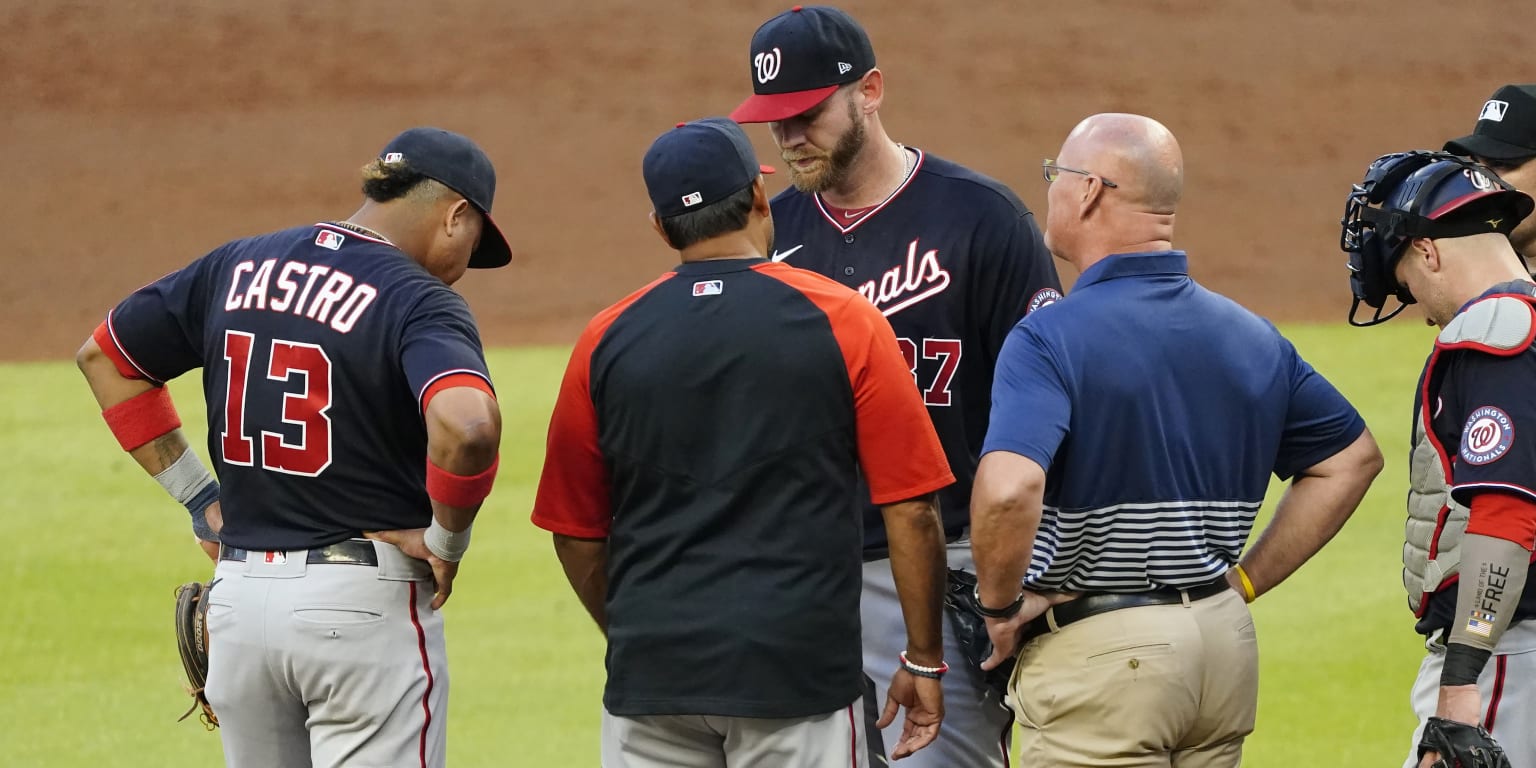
<point x="303" y="406"/>
<point x="947" y="352"/>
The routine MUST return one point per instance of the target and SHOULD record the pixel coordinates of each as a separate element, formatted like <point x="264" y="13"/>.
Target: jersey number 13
<point x="305" y="408"/>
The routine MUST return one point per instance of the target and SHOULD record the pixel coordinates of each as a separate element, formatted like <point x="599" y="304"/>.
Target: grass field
<point x="91" y="676"/>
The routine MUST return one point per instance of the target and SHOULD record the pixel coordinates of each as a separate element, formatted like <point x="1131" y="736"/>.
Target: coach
<point x="701" y="481"/>
<point x="1134" y="428"/>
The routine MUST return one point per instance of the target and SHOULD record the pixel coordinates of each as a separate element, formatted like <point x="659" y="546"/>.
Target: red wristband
<point x="461" y="491"/>
<point x="142" y="418"/>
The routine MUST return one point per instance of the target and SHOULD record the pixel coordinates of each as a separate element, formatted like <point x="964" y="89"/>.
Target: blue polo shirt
<point x="1159" y="409"/>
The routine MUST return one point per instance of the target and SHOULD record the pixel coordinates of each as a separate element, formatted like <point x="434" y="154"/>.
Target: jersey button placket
<point x="848" y="239"/>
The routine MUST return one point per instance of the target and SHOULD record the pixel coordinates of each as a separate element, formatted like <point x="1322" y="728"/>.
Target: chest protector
<point x="1502" y="325"/>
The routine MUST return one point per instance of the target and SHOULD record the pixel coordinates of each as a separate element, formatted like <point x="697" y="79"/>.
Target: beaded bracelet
<point x="932" y="673"/>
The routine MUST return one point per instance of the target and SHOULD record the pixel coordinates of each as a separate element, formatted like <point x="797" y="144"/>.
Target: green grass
<point x="91" y="676"/>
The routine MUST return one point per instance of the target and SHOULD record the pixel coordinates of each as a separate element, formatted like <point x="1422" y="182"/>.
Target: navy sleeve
<point x="439" y="338"/>
<point x="1497" y="412"/>
<point x="1319" y="422"/>
<point x="159" y="328"/>
<point x="1031" y="404"/>
<point x="1014" y="276"/>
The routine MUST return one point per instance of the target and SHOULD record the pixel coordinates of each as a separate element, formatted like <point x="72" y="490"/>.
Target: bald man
<point x="1134" y="428"/>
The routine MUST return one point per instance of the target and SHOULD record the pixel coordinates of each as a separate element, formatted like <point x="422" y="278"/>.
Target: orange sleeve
<point x="1504" y="516"/>
<point x="575" y="489"/>
<point x="899" y="451"/>
<point x="573" y="497"/>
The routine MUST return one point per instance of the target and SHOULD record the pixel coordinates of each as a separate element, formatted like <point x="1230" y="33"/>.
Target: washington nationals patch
<point x="1043" y="297"/>
<point x="1487" y="436"/>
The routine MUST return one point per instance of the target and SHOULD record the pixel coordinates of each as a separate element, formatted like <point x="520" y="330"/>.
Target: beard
<point x="831" y="168"/>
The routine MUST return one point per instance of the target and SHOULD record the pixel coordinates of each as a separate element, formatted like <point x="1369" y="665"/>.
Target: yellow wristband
<point x="1242" y="575"/>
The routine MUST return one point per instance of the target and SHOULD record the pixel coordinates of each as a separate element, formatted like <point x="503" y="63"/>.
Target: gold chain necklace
<point x="362" y="230"/>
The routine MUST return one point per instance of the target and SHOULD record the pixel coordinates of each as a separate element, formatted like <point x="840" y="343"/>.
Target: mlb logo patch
<point x="692" y="199"/>
<point x="1494" y="110"/>
<point x="274" y="558"/>
<point x="393" y="157"/>
<point x="708" y="288"/>
<point x="329" y="239"/>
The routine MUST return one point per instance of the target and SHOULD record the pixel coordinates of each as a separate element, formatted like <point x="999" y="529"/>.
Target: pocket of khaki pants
<point x="1130" y="655"/>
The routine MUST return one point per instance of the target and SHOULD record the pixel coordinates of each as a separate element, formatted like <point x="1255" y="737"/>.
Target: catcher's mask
<point x="1406" y="195"/>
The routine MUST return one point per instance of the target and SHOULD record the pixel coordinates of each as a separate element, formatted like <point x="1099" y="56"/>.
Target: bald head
<point x="1139" y="154"/>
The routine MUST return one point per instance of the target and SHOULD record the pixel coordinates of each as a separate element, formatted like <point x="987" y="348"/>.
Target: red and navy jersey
<point x="320" y="348"/>
<point x="1484" y="427"/>
<point x="953" y="260"/>
<point x="712" y="428"/>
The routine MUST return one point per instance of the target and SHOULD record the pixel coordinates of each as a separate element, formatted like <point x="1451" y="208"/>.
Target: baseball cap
<point x="460" y="165"/>
<point x="699" y="163"/>
<point x="799" y="58"/>
<point x="1506" y="127"/>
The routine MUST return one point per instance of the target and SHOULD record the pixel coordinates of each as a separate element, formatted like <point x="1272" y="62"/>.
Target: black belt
<point x="350" y="552"/>
<point x="1095" y="603"/>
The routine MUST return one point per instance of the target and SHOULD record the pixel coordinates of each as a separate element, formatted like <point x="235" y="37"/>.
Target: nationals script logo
<point x="906" y="284"/>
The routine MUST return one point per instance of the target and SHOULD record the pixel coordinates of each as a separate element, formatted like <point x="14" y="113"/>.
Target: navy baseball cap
<point x="799" y="58"/>
<point x="699" y="163"/>
<point x="458" y="164"/>
<point x="1506" y="127"/>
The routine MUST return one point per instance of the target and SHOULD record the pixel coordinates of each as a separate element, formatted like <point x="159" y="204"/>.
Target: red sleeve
<point x="899" y="451"/>
<point x="574" y="497"/>
<point x="451" y="381"/>
<point x="1504" y="516"/>
<point x="109" y="347"/>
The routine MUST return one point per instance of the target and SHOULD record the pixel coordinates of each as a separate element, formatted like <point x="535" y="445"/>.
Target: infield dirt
<point x="138" y="135"/>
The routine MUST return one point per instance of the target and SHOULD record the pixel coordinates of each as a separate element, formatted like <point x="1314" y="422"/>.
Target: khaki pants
<point x="1162" y="685"/>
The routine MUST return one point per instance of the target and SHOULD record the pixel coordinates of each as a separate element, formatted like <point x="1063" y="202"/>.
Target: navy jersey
<point x="952" y="259"/>
<point x="319" y="346"/>
<point x="1484" y="403"/>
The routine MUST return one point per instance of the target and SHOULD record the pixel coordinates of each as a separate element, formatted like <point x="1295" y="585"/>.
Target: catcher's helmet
<point x="1417" y="194"/>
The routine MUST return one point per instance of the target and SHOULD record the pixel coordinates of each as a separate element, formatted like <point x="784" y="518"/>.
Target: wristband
<point x="1005" y="612"/>
<point x="1463" y="664"/>
<point x="190" y="484"/>
<point x="1242" y="576"/>
<point x="142" y="418"/>
<point x="445" y="544"/>
<point x="460" y="491"/>
<point x="932" y="673"/>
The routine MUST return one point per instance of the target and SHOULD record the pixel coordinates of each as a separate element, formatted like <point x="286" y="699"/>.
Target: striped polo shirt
<point x="1159" y="409"/>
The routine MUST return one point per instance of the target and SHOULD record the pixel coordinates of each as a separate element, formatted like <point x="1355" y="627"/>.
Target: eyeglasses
<point x="1051" y="171"/>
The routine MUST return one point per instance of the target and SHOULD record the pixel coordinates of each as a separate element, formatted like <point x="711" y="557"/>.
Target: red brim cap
<point x="773" y="107"/>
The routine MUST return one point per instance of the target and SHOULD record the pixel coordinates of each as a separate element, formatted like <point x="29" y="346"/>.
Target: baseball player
<point x="1504" y="140"/>
<point x="700" y="486"/>
<point x="952" y="259"/>
<point x="347" y="395"/>
<point x="1432" y="229"/>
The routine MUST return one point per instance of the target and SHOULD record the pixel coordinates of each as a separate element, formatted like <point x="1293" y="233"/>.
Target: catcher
<point x="1432" y="229"/>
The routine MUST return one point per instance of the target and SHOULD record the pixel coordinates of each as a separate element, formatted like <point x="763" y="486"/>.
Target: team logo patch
<point x="1487" y="436"/>
<point x="1494" y="110"/>
<point x="1043" y="297"/>
<point x="708" y="288"/>
<point x="329" y="239"/>
<point x="1479" y="180"/>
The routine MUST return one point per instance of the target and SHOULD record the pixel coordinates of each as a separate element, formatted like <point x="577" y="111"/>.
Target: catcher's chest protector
<point x="1499" y="325"/>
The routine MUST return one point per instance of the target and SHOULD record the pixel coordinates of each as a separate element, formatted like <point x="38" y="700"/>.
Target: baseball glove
<point x="971" y="630"/>
<point x="1461" y="745"/>
<point x="192" y="642"/>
